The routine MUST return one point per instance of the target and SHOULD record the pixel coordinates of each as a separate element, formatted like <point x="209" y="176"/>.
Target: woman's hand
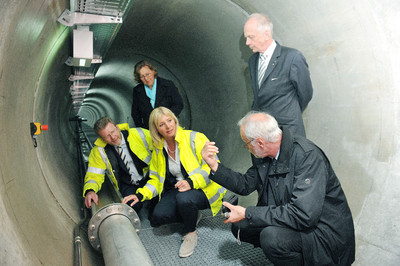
<point x="132" y="197"/>
<point x="182" y="186"/>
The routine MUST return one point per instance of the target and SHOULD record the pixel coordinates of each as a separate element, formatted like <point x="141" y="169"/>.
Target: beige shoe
<point x="188" y="245"/>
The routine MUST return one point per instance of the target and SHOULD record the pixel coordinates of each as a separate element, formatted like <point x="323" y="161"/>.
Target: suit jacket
<point x="120" y="170"/>
<point x="286" y="87"/>
<point x="167" y="95"/>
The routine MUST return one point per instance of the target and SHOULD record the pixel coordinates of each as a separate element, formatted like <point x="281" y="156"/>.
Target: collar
<point x="270" y="50"/>
<point x="283" y="156"/>
<point x="123" y="142"/>
<point x="277" y="154"/>
<point x="179" y="135"/>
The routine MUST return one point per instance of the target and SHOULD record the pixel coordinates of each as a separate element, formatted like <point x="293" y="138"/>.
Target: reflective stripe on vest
<point x="198" y="170"/>
<point x="96" y="170"/>
<point x="146" y="145"/>
<point x="217" y="195"/>
<point x="91" y="181"/>
<point x="161" y="178"/>
<point x="151" y="172"/>
<point x="152" y="189"/>
<point x="105" y="158"/>
<point x="204" y="173"/>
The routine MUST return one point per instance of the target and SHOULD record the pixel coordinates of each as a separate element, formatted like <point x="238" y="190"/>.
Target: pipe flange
<point x="104" y="213"/>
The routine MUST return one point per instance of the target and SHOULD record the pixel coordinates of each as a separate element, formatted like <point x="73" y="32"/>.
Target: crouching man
<point x="302" y="216"/>
<point x="124" y="153"/>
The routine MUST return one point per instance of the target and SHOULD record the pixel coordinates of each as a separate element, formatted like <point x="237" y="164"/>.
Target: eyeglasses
<point x="246" y="144"/>
<point x="145" y="76"/>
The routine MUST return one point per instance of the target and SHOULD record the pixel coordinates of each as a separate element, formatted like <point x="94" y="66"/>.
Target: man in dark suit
<point x="152" y="92"/>
<point x="280" y="77"/>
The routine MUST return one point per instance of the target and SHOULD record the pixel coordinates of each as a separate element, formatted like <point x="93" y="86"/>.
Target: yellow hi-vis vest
<point x="190" y="144"/>
<point x="140" y="143"/>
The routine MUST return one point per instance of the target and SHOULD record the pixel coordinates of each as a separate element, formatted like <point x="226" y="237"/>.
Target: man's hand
<point x="132" y="197"/>
<point x="208" y="153"/>
<point x="237" y="214"/>
<point x="91" y="195"/>
<point x="182" y="186"/>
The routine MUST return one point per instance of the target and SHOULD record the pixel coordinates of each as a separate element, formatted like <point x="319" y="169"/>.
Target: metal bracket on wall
<point x="69" y="18"/>
<point x="80" y="77"/>
<point x="70" y="61"/>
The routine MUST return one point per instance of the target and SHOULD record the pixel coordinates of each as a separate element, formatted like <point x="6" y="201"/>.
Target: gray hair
<point x="260" y="125"/>
<point x="263" y="21"/>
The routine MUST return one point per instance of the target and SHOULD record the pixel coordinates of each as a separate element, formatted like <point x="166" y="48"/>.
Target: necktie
<point x="123" y="156"/>
<point x="135" y="176"/>
<point x="262" y="66"/>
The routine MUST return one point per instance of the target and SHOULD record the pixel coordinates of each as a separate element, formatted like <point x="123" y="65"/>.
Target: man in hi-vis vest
<point x="124" y="153"/>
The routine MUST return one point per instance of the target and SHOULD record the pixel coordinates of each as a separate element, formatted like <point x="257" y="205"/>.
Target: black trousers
<point x="282" y="246"/>
<point x="127" y="190"/>
<point x="176" y="206"/>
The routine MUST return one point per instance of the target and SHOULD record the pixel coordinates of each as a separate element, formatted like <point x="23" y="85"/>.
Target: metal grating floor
<point x="216" y="245"/>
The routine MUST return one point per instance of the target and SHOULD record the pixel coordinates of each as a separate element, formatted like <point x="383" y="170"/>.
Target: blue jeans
<point x="176" y="206"/>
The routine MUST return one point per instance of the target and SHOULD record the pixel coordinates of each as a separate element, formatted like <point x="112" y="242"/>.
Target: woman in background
<point x="152" y="91"/>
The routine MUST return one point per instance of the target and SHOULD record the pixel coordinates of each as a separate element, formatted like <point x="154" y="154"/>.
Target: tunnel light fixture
<point x="82" y="62"/>
<point x="82" y="47"/>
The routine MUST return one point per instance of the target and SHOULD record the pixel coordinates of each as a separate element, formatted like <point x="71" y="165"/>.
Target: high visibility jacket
<point x="190" y="144"/>
<point x="140" y="143"/>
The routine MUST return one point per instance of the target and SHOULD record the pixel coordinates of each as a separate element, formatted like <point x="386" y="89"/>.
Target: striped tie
<point x="262" y="66"/>
<point x="123" y="157"/>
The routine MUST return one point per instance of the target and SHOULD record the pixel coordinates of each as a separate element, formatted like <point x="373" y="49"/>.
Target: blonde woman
<point x="179" y="177"/>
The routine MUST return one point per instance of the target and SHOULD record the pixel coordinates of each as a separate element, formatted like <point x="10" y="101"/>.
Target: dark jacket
<point x="167" y="95"/>
<point x="119" y="168"/>
<point x="286" y="88"/>
<point x="308" y="198"/>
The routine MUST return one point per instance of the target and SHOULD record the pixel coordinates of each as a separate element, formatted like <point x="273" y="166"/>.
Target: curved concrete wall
<point x="352" y="50"/>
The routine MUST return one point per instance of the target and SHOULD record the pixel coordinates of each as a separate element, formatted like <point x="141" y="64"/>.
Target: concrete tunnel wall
<point x="352" y="50"/>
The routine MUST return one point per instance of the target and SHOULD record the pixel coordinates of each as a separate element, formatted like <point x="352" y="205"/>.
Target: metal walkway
<point x="215" y="246"/>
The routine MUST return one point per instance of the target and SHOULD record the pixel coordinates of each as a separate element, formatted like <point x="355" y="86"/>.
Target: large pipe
<point x="113" y="230"/>
<point x="351" y="48"/>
